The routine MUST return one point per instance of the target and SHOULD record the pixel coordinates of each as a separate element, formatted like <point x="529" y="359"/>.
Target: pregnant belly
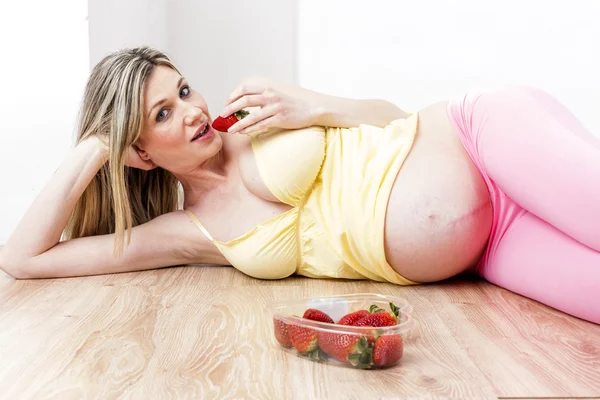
<point x="439" y="213"/>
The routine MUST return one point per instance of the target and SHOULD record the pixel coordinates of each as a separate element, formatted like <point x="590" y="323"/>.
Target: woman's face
<point x="176" y="133"/>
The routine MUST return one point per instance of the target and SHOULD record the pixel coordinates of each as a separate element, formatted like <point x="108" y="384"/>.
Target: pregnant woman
<point x="505" y="182"/>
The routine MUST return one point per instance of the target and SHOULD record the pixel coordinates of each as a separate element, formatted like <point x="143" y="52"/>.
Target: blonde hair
<point x="119" y="197"/>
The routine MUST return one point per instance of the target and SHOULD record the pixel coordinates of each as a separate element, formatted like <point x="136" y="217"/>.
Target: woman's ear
<point x="138" y="158"/>
<point x="142" y="153"/>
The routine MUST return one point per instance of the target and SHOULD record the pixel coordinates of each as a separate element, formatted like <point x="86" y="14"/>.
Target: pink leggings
<point x="542" y="169"/>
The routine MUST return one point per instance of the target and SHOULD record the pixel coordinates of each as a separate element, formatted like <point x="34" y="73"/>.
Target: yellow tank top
<point x="338" y="184"/>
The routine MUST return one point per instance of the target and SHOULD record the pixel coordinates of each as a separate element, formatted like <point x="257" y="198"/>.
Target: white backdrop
<point x="44" y="63"/>
<point x="409" y="52"/>
<point x="215" y="44"/>
<point x="417" y="52"/>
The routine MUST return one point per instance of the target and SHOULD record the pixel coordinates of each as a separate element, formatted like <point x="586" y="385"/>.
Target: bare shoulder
<point x="168" y="240"/>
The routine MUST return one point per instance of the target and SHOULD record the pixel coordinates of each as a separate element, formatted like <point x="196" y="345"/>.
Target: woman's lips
<point x="202" y="130"/>
<point x="209" y="132"/>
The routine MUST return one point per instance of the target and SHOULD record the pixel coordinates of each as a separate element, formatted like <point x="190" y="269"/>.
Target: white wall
<point x="43" y="68"/>
<point x="417" y="52"/>
<point x="214" y="43"/>
<point x="115" y="24"/>
<point x="218" y="43"/>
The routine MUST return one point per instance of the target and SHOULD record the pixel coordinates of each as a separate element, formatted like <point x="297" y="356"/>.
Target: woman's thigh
<point x="538" y="261"/>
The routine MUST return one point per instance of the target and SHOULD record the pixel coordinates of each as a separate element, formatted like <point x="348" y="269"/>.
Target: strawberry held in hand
<point x="223" y="124"/>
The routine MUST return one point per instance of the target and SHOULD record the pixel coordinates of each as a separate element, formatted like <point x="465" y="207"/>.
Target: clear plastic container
<point x="343" y="345"/>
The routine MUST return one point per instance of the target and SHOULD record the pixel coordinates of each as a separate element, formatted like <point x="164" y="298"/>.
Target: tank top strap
<point x="199" y="224"/>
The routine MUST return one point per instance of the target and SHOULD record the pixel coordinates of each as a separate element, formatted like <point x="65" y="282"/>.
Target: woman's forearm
<point x="42" y="225"/>
<point x="347" y="113"/>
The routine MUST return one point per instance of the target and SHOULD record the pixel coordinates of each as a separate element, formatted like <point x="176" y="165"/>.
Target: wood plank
<point x="204" y="332"/>
<point x="520" y="345"/>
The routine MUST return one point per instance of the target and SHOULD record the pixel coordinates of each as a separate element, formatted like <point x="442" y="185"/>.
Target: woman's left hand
<point x="278" y="106"/>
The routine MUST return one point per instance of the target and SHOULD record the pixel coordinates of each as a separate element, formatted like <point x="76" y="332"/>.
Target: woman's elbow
<point x="14" y="269"/>
<point x="15" y="273"/>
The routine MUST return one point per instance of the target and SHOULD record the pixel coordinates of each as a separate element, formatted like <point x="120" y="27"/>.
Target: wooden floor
<point x="203" y="332"/>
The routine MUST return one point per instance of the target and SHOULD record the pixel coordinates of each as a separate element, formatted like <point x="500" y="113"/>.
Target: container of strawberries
<point x="366" y="331"/>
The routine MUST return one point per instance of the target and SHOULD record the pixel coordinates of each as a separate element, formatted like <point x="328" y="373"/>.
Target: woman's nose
<point x="192" y="115"/>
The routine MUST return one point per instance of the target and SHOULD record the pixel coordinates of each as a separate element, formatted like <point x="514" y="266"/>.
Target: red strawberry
<point x="302" y="338"/>
<point x="281" y="332"/>
<point x="380" y="317"/>
<point x="388" y="350"/>
<point x="317" y="315"/>
<point x="344" y="347"/>
<point x="353" y="318"/>
<point x="222" y="124"/>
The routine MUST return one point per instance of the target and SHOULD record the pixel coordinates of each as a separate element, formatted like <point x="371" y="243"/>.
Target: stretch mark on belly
<point x="470" y="214"/>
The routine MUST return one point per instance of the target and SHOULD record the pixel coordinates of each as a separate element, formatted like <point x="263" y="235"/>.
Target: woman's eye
<point x="162" y="115"/>
<point x="185" y="91"/>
